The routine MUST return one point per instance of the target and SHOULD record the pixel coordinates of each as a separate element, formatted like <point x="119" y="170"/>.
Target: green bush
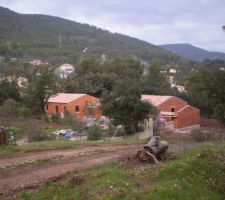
<point x="45" y="118"/>
<point x="25" y="112"/>
<point x="10" y="108"/>
<point x="72" y="123"/>
<point x="55" y="118"/>
<point x="94" y="133"/>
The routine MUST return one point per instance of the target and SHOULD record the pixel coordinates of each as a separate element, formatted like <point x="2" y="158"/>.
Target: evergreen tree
<point x="125" y="107"/>
<point x="155" y="82"/>
<point x="41" y="85"/>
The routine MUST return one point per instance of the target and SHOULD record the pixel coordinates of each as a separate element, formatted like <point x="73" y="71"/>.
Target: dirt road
<point x="16" y="175"/>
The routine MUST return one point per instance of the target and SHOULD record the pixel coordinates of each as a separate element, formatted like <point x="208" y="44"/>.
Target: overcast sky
<point x="197" y="22"/>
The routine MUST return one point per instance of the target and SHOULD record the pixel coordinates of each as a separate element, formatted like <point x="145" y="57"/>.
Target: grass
<point x="109" y="181"/>
<point x="199" y="174"/>
<point x="60" y="144"/>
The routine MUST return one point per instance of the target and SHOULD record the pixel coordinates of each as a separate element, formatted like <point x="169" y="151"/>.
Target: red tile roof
<point x="155" y="100"/>
<point x="64" y="97"/>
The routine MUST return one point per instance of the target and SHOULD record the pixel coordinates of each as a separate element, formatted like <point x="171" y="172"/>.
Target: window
<point x="77" y="108"/>
<point x="47" y="107"/>
<point x="57" y="109"/>
<point x="64" y="108"/>
<point x="172" y="109"/>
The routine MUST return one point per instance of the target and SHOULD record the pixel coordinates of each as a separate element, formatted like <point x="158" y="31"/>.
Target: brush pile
<point x="153" y="151"/>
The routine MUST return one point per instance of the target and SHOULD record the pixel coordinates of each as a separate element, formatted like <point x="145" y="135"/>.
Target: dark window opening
<point x="57" y="109"/>
<point x="64" y="108"/>
<point x="47" y="107"/>
<point x="77" y="109"/>
<point x="172" y="109"/>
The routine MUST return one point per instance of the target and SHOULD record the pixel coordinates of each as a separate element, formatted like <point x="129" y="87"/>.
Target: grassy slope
<point x="199" y="174"/>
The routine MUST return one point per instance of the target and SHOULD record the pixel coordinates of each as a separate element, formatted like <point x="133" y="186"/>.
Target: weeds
<point x="204" y="135"/>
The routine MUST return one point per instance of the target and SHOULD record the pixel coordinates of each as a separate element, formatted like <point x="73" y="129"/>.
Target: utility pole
<point x="9" y="44"/>
<point x="60" y="41"/>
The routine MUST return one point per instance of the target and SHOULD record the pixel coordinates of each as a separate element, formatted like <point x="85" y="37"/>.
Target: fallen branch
<point x="154" y="158"/>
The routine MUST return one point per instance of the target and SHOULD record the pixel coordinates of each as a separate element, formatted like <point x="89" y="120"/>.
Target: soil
<point x="50" y="154"/>
<point x="20" y="176"/>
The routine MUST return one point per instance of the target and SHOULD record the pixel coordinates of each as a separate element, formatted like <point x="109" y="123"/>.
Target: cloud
<point x="197" y="22"/>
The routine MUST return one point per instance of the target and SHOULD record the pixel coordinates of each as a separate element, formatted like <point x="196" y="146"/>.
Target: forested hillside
<point x="194" y="53"/>
<point x="42" y="36"/>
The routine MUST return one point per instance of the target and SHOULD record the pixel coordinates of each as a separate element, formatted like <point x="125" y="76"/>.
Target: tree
<point x="94" y="133"/>
<point x="125" y="107"/>
<point x="10" y="108"/>
<point x="93" y="78"/>
<point x="41" y="85"/>
<point x="206" y="90"/>
<point x="155" y="82"/>
<point x="9" y="90"/>
<point x="87" y="65"/>
<point x="92" y="83"/>
<point x="123" y="68"/>
<point x="197" y="85"/>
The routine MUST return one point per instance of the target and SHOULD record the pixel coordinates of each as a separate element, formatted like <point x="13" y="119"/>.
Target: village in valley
<point x="86" y="113"/>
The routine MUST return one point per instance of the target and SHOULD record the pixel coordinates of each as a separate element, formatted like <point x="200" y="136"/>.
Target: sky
<point x="198" y="22"/>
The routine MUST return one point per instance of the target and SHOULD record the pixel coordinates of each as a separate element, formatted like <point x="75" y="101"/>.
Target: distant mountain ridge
<point x="191" y="52"/>
<point x="30" y="35"/>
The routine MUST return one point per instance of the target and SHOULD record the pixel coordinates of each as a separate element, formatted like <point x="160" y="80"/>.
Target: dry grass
<point x="208" y="134"/>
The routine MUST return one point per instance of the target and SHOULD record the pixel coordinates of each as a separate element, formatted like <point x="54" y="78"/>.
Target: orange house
<point x="174" y="110"/>
<point x="79" y="105"/>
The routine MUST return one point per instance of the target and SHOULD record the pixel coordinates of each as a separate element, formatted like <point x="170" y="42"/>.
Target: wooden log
<point x="145" y="156"/>
<point x="153" y="151"/>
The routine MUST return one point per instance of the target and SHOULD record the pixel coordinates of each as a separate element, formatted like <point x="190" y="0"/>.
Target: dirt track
<point x="21" y="176"/>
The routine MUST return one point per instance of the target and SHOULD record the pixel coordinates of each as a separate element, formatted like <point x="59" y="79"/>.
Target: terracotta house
<point x="79" y="105"/>
<point x="175" y="111"/>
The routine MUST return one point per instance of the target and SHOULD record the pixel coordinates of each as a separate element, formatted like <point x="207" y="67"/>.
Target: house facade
<point x="81" y="106"/>
<point x="174" y="111"/>
<point x="63" y="71"/>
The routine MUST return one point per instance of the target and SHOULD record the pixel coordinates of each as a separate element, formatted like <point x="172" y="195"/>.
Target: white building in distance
<point x="172" y="71"/>
<point x="20" y="81"/>
<point x="38" y="62"/>
<point x="64" y="70"/>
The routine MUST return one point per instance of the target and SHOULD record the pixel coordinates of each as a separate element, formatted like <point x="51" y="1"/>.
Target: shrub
<point x="55" y="118"/>
<point x="68" y="119"/>
<point x="207" y="135"/>
<point x="94" y="133"/>
<point x="25" y="112"/>
<point x="10" y="108"/>
<point x="45" y="118"/>
<point x="35" y="133"/>
<point x="72" y="123"/>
